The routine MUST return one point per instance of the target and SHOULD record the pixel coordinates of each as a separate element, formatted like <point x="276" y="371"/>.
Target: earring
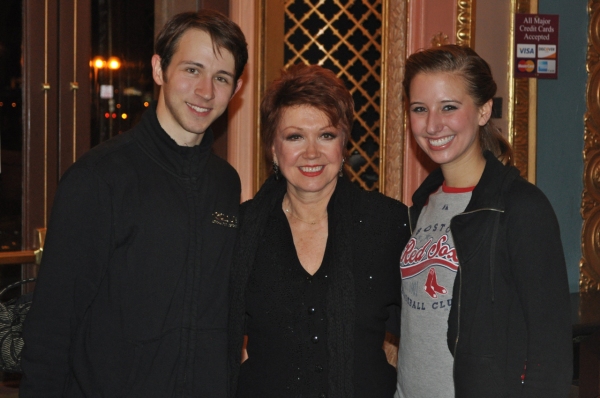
<point x="341" y="173"/>
<point x="276" y="170"/>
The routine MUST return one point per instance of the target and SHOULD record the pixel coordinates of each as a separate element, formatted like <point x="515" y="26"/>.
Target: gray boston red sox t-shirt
<point x="428" y="267"/>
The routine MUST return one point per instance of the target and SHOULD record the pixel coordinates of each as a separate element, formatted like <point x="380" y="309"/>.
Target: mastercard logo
<point x="526" y="66"/>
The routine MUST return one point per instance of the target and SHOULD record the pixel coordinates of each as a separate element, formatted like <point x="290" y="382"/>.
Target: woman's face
<point x="308" y="149"/>
<point x="444" y="119"/>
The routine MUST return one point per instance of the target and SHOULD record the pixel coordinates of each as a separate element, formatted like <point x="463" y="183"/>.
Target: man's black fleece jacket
<point x="132" y="293"/>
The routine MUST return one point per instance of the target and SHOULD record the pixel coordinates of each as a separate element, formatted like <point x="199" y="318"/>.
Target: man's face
<point x="195" y="88"/>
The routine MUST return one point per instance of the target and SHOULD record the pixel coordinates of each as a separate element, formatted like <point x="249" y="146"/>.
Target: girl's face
<point x="444" y="119"/>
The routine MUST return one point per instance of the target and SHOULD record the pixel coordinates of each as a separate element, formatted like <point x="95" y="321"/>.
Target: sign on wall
<point x="536" y="46"/>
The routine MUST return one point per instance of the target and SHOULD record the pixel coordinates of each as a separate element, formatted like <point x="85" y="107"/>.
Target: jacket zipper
<point x="457" y="326"/>
<point x="410" y="224"/>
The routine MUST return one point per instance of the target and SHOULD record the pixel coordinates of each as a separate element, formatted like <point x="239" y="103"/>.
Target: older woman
<point x="316" y="272"/>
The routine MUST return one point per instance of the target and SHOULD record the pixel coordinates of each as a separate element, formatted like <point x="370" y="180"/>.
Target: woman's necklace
<point x="288" y="211"/>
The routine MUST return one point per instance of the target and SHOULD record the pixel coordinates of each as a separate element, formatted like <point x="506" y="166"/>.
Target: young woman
<point x="485" y="297"/>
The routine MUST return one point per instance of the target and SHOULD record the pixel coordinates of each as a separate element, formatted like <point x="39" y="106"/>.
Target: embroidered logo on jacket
<point x="224" y="220"/>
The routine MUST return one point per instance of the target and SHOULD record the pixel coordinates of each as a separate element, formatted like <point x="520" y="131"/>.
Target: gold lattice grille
<point x="344" y="36"/>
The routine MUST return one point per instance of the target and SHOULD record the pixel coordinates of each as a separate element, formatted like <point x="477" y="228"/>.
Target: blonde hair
<point x="480" y="85"/>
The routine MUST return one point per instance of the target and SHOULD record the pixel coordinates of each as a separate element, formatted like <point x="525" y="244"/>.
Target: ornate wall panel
<point x="345" y="37"/>
<point x="392" y="107"/>
<point x="519" y="133"/>
<point x="590" y="207"/>
<point x="465" y="23"/>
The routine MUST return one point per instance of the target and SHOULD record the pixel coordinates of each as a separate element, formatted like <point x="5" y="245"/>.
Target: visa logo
<point x="526" y="51"/>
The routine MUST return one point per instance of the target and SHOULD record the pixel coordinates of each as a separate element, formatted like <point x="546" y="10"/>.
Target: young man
<point x="131" y="298"/>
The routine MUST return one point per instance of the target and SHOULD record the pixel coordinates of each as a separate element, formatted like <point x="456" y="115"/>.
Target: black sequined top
<point x="286" y="320"/>
<point x="286" y="311"/>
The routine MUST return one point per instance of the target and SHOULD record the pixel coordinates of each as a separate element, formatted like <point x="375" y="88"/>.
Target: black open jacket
<point x="368" y="231"/>
<point x="131" y="298"/>
<point x="509" y="328"/>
